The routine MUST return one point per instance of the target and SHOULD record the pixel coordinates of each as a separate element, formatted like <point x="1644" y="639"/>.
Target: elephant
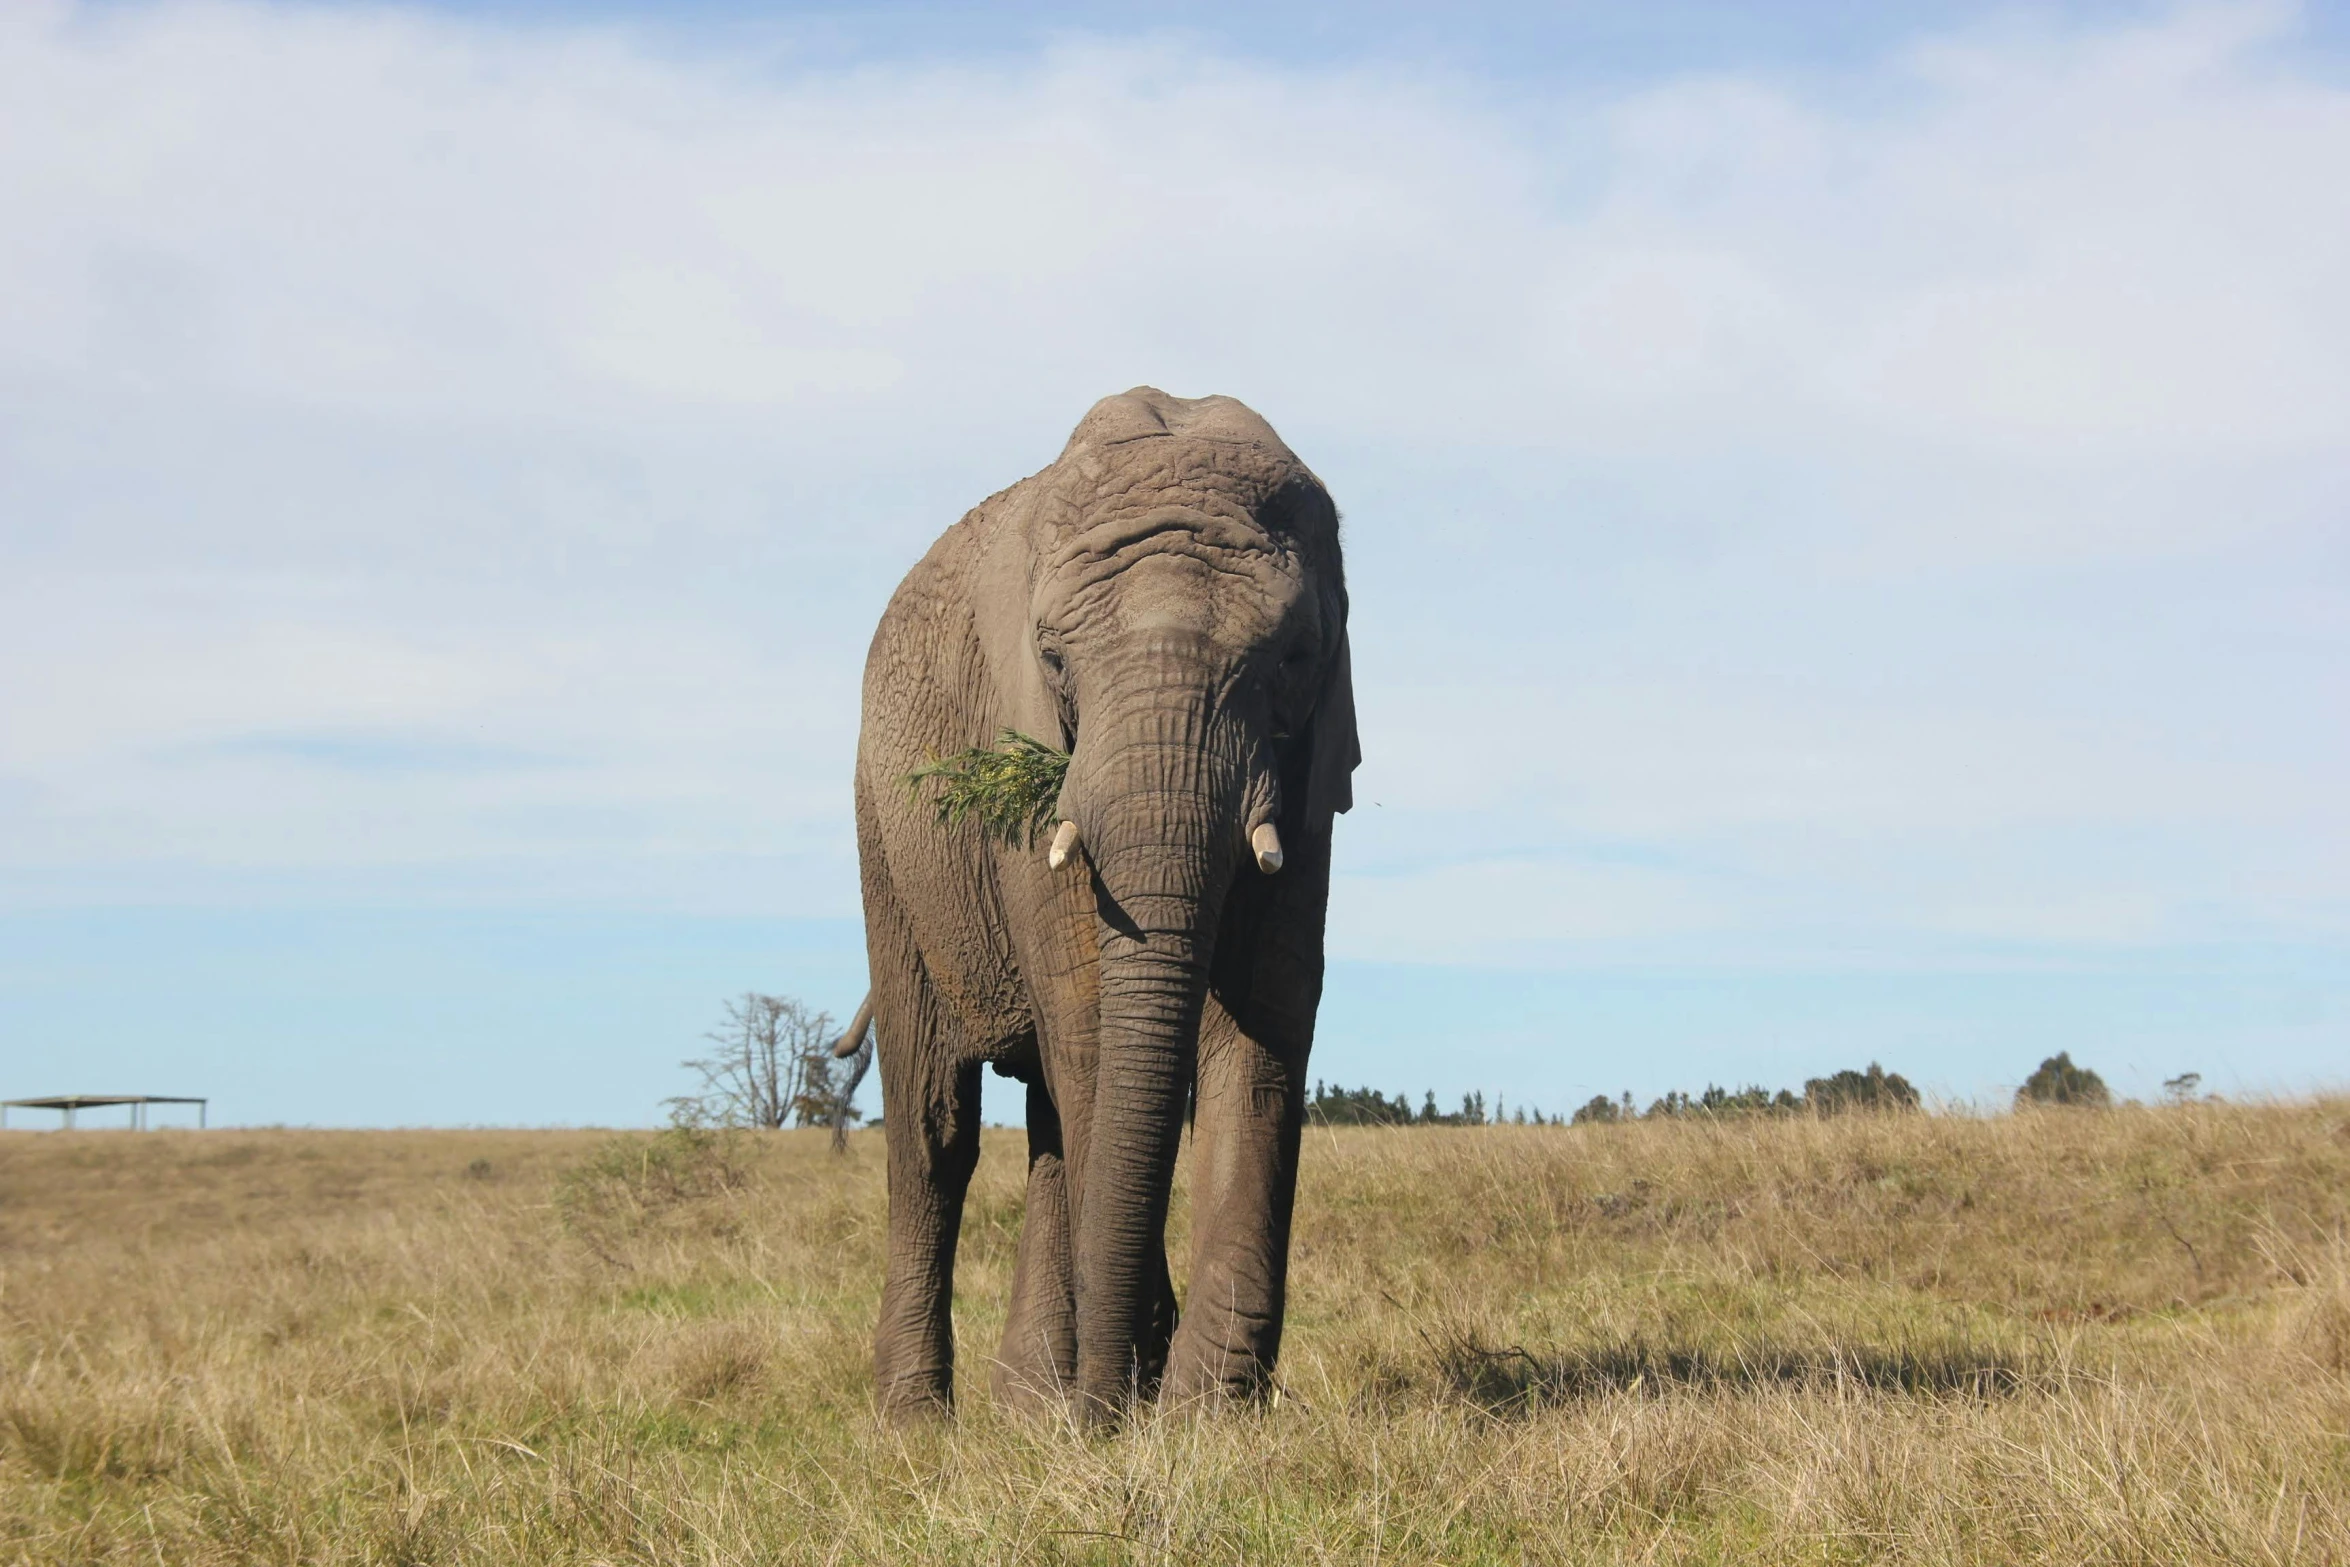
<point x="1166" y="604"/>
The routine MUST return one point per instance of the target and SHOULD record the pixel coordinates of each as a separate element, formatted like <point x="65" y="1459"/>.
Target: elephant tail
<point x="847" y="1044"/>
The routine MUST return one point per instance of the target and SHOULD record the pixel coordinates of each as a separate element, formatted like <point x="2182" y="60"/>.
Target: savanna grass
<point x="2060" y="1337"/>
<point x="1009" y="789"/>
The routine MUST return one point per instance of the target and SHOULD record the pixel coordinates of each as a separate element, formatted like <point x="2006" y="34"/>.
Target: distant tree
<point x="1332" y="1106"/>
<point x="2058" y="1082"/>
<point x="1874" y="1089"/>
<point x="1753" y="1099"/>
<point x="2180" y="1089"/>
<point x="1600" y="1110"/>
<point x="1328" y="1105"/>
<point x="772" y="1066"/>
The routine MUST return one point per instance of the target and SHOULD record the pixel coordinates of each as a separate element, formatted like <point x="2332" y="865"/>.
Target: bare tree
<point x="772" y="1067"/>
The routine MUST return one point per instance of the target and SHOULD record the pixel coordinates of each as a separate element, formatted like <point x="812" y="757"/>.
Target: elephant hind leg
<point x="930" y="1120"/>
<point x="1037" y="1364"/>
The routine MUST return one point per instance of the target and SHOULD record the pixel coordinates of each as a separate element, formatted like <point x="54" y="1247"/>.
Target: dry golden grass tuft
<point x="2060" y="1337"/>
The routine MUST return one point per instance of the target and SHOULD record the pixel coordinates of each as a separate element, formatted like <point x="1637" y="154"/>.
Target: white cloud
<point x="1827" y="477"/>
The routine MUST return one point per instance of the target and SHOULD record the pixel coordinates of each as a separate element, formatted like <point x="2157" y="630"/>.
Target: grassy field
<point x="2062" y="1337"/>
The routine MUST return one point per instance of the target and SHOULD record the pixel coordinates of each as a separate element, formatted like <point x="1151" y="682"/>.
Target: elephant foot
<point x="917" y="1401"/>
<point x="1200" y="1368"/>
<point x="1200" y="1385"/>
<point x="1032" y="1386"/>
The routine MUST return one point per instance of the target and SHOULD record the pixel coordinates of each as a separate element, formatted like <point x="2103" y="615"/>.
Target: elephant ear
<point x="1336" y="749"/>
<point x="1003" y="579"/>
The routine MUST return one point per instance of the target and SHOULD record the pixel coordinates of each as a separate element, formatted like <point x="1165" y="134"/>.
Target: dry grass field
<point x="2064" y="1337"/>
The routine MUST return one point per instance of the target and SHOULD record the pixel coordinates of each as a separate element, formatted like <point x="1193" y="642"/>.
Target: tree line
<point x="772" y="1066"/>
<point x="2057" y="1081"/>
<point x="1874" y="1089"/>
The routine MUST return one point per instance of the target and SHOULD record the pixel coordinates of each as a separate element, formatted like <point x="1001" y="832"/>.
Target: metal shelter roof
<point x="67" y="1104"/>
<point x="93" y="1101"/>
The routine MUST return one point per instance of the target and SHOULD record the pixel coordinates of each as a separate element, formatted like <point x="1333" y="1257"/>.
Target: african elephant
<point x="1166" y="603"/>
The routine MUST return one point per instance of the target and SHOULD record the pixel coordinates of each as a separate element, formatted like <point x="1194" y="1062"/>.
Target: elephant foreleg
<point x="1244" y="1180"/>
<point x="1037" y="1364"/>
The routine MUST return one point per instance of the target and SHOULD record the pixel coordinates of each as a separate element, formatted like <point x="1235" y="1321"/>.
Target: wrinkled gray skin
<point x="1166" y="601"/>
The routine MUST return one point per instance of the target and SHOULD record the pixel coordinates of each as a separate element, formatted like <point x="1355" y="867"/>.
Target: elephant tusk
<point x="1266" y="841"/>
<point x="1064" y="844"/>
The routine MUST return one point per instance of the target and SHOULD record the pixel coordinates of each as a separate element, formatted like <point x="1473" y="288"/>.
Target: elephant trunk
<point x="1151" y="996"/>
<point x="1159" y="806"/>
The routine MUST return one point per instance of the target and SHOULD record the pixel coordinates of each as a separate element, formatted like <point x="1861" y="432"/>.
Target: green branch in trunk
<point x="1009" y="789"/>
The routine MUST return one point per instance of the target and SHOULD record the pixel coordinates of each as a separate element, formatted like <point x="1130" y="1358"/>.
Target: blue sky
<point x="1844" y="508"/>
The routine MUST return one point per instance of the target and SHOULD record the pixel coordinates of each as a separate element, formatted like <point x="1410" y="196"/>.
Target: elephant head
<point x="1174" y="610"/>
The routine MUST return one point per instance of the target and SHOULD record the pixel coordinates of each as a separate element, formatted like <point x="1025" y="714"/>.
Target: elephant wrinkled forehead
<point x="1172" y="568"/>
<point x="1122" y="537"/>
<point x="1166" y="509"/>
<point x="1204" y="497"/>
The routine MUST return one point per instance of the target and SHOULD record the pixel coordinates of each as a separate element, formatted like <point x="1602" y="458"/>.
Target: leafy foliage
<point x="1009" y="789"/>
<point x="2057" y="1081"/>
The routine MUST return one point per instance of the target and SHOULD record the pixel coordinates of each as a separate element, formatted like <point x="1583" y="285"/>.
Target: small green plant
<point x="1009" y="789"/>
<point x="632" y="1182"/>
